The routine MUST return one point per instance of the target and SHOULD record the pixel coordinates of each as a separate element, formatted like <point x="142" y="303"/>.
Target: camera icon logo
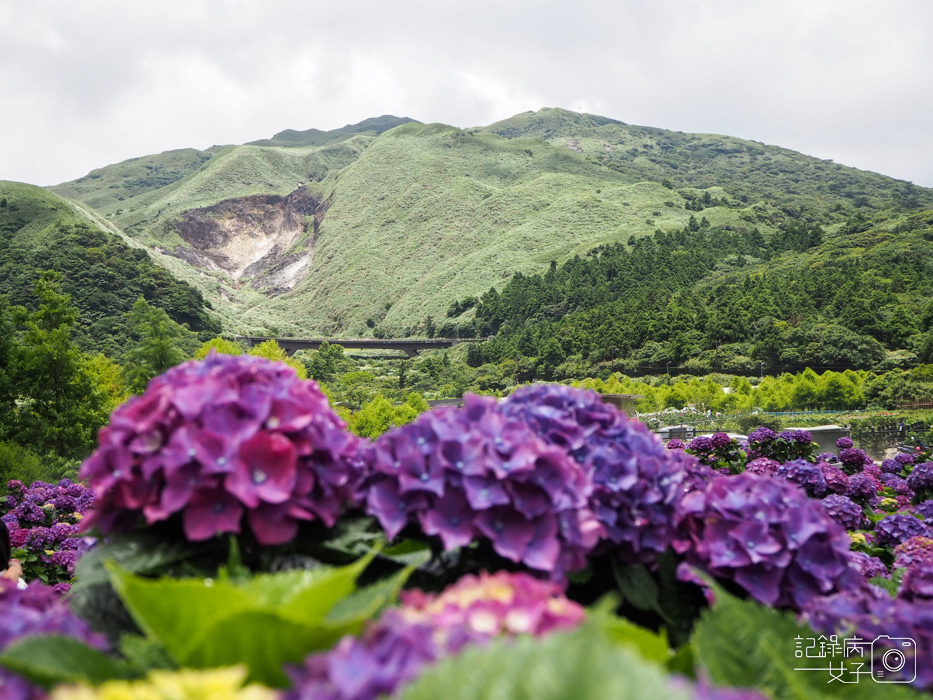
<point x="893" y="659"/>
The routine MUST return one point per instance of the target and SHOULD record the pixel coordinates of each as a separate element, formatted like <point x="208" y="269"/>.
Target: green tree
<point x="59" y="406"/>
<point x="158" y="345"/>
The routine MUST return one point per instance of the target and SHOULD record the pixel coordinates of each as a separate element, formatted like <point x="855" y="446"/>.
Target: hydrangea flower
<point x="768" y="537"/>
<point x="868" y="612"/>
<point x="898" y="528"/>
<point x="836" y="479"/>
<point x="787" y="446"/>
<point x="912" y="550"/>
<point x="917" y="583"/>
<point x="763" y="466"/>
<point x="720" y="441"/>
<point x="470" y="472"/>
<point x="844" y="511"/>
<point x="891" y="466"/>
<point x="701" y="443"/>
<point x="921" y="477"/>
<point x="863" y="489"/>
<point x="636" y="482"/>
<point x="426" y="628"/>
<point x="37" y="609"/>
<point x="853" y="460"/>
<point x="868" y="566"/>
<point x="924" y="510"/>
<point x="675" y="444"/>
<point x="903" y="459"/>
<point x="844" y="443"/>
<point x="219" y="439"/>
<point x="828" y="457"/>
<point x="808" y="476"/>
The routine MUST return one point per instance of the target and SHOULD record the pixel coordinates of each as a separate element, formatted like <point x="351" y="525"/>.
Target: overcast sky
<point x="84" y="84"/>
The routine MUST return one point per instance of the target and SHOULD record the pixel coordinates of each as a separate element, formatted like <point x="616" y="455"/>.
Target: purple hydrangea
<point x="761" y="435"/>
<point x="393" y="651"/>
<point x="891" y="466"/>
<point x="853" y="460"/>
<point x="844" y="443"/>
<point x="701" y="443"/>
<point x="768" y="537"/>
<point x="921" y="477"/>
<point x="898" y="528"/>
<point x="636" y="482"/>
<point x="924" y="510"/>
<point x="37" y="609"/>
<point x="903" y="459"/>
<point x="217" y="439"/>
<point x="869" y="567"/>
<point x="844" y="511"/>
<point x="912" y="550"/>
<point x="720" y="441"/>
<point x="464" y="473"/>
<point x="836" y="479"/>
<point x="863" y="489"/>
<point x="868" y="613"/>
<point x="675" y="444"/>
<point x="828" y="457"/>
<point x="763" y="466"/>
<point x="808" y="476"/>
<point x="917" y="583"/>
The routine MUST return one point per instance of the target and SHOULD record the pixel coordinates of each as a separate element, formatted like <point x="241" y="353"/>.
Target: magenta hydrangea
<point x="675" y="444"/>
<point x="426" y="628"/>
<point x="836" y="479"/>
<point x="768" y="537"/>
<point x="763" y="466"/>
<point x="475" y="472"/>
<point x="217" y="440"/>
<point x="912" y="550"/>
<point x="636" y="482"/>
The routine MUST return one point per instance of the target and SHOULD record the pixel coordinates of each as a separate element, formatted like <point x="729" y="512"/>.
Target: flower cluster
<point x="868" y="612"/>
<point x="921" y="479"/>
<point x="805" y="475"/>
<point x="426" y="628"/>
<point x="868" y="566"/>
<point x="898" y="528"/>
<point x="787" y="446"/>
<point x="768" y="537"/>
<point x="912" y="550"/>
<point x="37" y="609"/>
<point x="476" y="472"/>
<point x="853" y="460"/>
<point x="917" y="583"/>
<point x="719" y="452"/>
<point x="215" y="439"/>
<point x="636" y="482"/>
<point x="43" y="522"/>
<point x="845" y="511"/>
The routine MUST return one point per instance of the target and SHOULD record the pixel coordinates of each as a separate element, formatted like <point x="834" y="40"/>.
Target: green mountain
<point x="376" y="228"/>
<point x="103" y="273"/>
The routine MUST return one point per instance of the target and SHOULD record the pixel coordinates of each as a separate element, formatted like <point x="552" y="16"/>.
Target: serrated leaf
<point x="583" y="665"/>
<point x="50" y="659"/>
<point x="745" y="644"/>
<point x="365" y="603"/>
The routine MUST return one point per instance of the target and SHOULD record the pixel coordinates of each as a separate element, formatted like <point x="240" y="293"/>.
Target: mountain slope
<point x="373" y="233"/>
<point x="315" y="137"/>
<point x="40" y="230"/>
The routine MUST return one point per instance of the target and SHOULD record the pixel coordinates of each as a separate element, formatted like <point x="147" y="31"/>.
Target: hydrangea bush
<point x="43" y="523"/>
<point x="224" y="443"/>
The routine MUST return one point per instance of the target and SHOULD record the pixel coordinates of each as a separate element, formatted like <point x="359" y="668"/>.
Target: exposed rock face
<point x="267" y="239"/>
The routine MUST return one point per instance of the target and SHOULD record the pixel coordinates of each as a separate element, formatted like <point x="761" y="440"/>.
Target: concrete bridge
<point x="409" y="346"/>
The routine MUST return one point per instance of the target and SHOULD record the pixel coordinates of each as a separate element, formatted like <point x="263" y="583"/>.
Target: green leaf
<point x="137" y="552"/>
<point x="649" y="645"/>
<point x="366" y="603"/>
<point x="50" y="659"/>
<point x="745" y="644"/>
<point x="177" y="611"/>
<point x="261" y="639"/>
<point x="583" y="665"/>
<point x="144" y="654"/>
<point x="637" y="586"/>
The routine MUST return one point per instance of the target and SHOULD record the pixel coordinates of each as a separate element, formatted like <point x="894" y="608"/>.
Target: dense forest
<point x="706" y="298"/>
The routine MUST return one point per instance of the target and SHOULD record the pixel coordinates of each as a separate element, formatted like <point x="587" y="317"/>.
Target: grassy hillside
<point x="417" y="216"/>
<point x="40" y="230"/>
<point x="315" y="137"/>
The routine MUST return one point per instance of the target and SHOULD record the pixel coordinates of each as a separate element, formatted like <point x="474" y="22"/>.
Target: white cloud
<point x="91" y="83"/>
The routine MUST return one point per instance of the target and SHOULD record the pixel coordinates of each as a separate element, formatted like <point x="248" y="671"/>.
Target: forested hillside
<point x="102" y="274"/>
<point x="706" y="298"/>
